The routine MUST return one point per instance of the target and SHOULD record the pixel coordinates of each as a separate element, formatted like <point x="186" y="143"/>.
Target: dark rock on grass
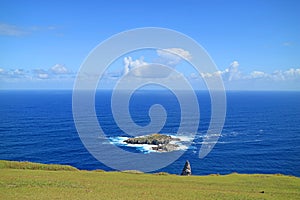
<point x="187" y="170"/>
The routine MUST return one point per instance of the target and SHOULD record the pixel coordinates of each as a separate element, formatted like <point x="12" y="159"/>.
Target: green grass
<point x="53" y="182"/>
<point x="34" y="166"/>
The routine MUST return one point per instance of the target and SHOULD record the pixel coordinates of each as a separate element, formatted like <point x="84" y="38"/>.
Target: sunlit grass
<point x="34" y="166"/>
<point x="59" y="184"/>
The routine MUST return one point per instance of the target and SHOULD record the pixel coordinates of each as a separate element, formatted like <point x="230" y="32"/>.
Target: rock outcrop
<point x="187" y="170"/>
<point x="166" y="147"/>
<point x="162" y="142"/>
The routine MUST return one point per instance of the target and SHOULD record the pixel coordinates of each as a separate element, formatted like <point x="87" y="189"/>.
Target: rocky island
<point x="161" y="142"/>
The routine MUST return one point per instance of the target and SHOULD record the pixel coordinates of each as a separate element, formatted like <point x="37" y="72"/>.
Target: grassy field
<point x="38" y="181"/>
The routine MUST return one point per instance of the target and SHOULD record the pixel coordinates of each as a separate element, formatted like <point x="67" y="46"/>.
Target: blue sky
<point x="256" y="43"/>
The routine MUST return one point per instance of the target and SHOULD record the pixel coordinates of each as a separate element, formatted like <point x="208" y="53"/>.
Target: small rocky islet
<point x="163" y="143"/>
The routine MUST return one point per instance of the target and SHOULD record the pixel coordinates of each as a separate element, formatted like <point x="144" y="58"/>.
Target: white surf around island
<point x="182" y="144"/>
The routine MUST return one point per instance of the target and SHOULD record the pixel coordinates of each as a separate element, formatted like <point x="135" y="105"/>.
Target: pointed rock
<point x="187" y="170"/>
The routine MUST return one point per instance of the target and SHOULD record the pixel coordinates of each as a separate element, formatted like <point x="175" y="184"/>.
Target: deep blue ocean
<point x="261" y="132"/>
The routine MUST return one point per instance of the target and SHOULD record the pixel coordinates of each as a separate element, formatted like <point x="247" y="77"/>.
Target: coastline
<point x="25" y="165"/>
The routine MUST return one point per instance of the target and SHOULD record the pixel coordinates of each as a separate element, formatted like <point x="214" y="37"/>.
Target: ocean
<point x="261" y="133"/>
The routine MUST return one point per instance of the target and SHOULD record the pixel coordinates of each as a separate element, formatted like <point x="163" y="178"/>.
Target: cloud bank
<point x="55" y="72"/>
<point x="233" y="76"/>
<point x="11" y="30"/>
<point x="236" y="79"/>
<point x="232" y="73"/>
<point x="15" y="31"/>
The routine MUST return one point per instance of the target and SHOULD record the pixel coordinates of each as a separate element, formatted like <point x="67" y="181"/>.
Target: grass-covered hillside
<point x="38" y="181"/>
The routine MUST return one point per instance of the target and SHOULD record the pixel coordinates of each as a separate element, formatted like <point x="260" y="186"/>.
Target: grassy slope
<point x="55" y="183"/>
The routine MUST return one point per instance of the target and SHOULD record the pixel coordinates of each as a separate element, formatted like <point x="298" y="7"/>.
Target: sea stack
<point x="187" y="170"/>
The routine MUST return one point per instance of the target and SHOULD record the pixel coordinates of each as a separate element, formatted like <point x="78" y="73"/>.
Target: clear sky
<point x="254" y="43"/>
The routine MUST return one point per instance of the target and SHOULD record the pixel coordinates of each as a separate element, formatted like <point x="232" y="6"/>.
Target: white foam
<point x="184" y="138"/>
<point x="143" y="147"/>
<point x="147" y="148"/>
<point x="118" y="140"/>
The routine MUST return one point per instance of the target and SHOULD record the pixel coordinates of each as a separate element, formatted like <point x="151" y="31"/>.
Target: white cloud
<point x="140" y="68"/>
<point x="41" y="28"/>
<point x="13" y="74"/>
<point x="59" y="69"/>
<point x="19" y="72"/>
<point x="40" y="74"/>
<point x="235" y="64"/>
<point x="151" y="71"/>
<point x="257" y="74"/>
<point x="193" y="75"/>
<point x="277" y="75"/>
<point x="206" y="75"/>
<point x="174" y="53"/>
<point x="172" y="56"/>
<point x="229" y="74"/>
<point x="233" y="71"/>
<point x="11" y="30"/>
<point x="126" y="61"/>
<point x="292" y="73"/>
<point x="43" y="76"/>
<point x="287" y="44"/>
<point x="57" y="72"/>
<point x="129" y="63"/>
